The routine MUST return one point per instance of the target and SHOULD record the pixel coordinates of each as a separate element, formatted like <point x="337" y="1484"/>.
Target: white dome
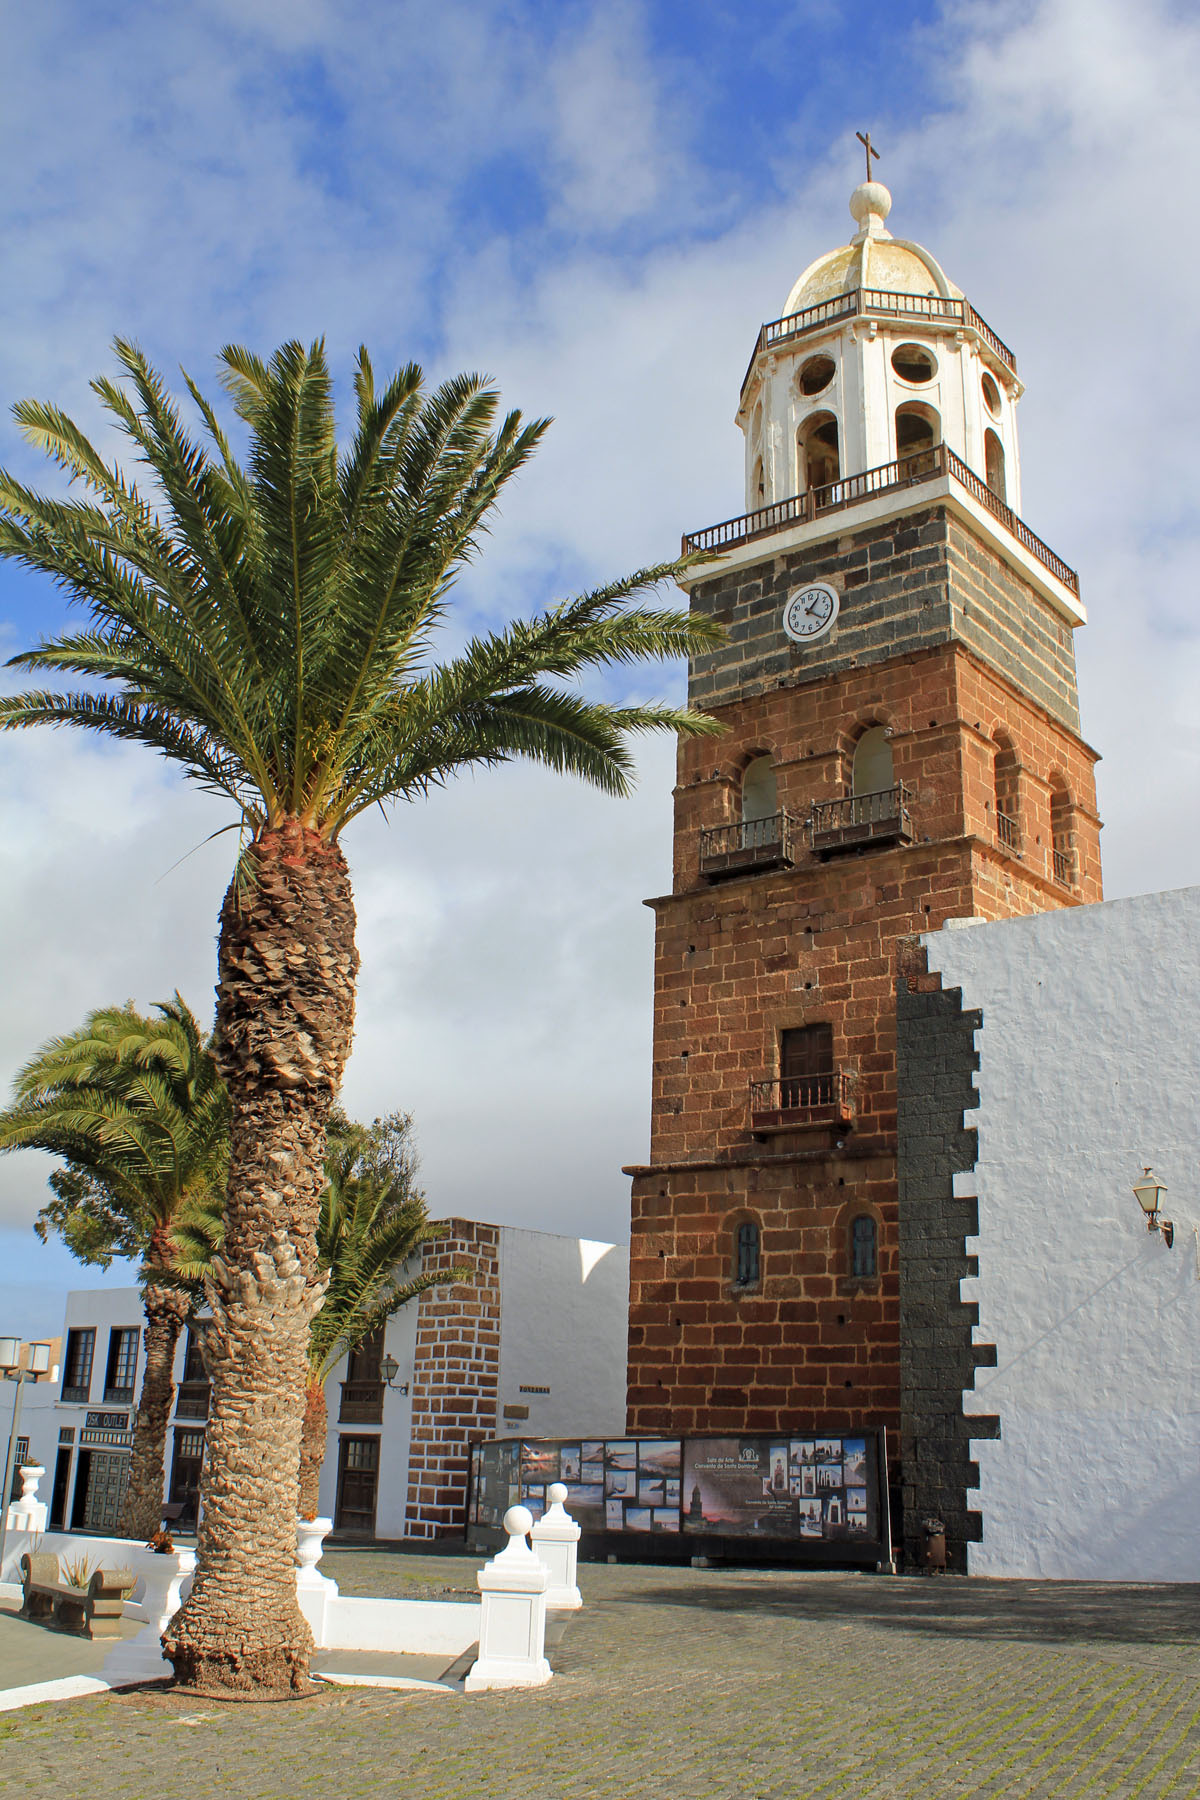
<point x="872" y="259"/>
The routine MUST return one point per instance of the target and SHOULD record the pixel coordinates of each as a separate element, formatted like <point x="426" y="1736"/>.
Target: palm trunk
<point x="166" y="1310"/>
<point x="312" y="1449"/>
<point x="285" y="1010"/>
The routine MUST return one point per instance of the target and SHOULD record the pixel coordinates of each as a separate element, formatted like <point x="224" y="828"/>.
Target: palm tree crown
<point x="270" y="629"/>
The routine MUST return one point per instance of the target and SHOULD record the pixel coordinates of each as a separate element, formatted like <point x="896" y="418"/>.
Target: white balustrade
<point x="555" y="1540"/>
<point x="512" y="1631"/>
<point x="163" y="1577"/>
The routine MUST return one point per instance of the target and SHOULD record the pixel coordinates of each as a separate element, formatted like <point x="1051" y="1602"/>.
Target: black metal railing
<point x="791" y="1102"/>
<point x="935" y="309"/>
<point x="1064" y="867"/>
<point x="118" y="1396"/>
<point x="362" y="1403"/>
<point x="191" y="1401"/>
<point x="861" y="818"/>
<point x="1008" y="831"/>
<point x="75" y="1395"/>
<point x="749" y="843"/>
<point x="886" y="478"/>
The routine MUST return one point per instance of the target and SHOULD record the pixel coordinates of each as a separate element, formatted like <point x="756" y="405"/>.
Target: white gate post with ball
<point x="556" y="1544"/>
<point x="512" y="1627"/>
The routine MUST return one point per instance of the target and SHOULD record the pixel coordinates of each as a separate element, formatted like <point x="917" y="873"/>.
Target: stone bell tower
<point x="902" y="747"/>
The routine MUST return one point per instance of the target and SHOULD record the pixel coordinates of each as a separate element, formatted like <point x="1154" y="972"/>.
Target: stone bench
<point x="91" y="1612"/>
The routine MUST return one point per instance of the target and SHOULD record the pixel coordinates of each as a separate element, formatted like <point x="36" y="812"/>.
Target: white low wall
<point x="1089" y="1068"/>
<point x="403" y="1627"/>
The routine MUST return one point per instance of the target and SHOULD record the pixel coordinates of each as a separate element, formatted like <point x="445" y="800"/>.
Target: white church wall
<point x="564" y="1317"/>
<point x="1090" y="1068"/>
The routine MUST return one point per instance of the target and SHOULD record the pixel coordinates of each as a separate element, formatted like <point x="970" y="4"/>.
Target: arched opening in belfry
<point x="818" y="455"/>
<point x="760" y="796"/>
<point x="1062" y="832"/>
<point x="993" y="464"/>
<point x="758" y="490"/>
<point x="918" y="433"/>
<point x="1007" y="779"/>
<point x="873" y="771"/>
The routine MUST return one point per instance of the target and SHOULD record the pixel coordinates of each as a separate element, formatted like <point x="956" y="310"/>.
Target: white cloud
<point x="506" y="959"/>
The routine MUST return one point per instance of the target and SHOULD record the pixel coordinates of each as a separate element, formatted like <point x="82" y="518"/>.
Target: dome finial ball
<point x="870" y="197"/>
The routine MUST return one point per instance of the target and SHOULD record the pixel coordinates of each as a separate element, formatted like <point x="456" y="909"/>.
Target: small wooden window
<point x="747" y="1242"/>
<point x="122" y="1364"/>
<point x="77" y="1371"/>
<point x="864" y="1248"/>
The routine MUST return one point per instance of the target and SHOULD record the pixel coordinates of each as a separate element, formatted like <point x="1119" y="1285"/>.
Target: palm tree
<point x="136" y="1110"/>
<point x="269" y="626"/>
<point x="373" y="1222"/>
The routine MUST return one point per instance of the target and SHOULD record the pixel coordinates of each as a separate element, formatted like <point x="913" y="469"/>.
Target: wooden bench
<point x="91" y="1612"/>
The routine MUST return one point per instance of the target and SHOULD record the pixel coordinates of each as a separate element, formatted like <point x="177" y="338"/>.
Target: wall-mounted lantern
<point x="1149" y="1192"/>
<point x="390" y="1368"/>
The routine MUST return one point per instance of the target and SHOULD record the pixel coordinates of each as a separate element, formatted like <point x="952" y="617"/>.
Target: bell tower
<point x="902" y="747"/>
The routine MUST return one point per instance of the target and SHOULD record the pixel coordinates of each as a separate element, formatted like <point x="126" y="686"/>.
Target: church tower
<point x="902" y="747"/>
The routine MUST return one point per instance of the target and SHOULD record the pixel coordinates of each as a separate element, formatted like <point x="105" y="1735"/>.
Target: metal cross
<point x="864" y="139"/>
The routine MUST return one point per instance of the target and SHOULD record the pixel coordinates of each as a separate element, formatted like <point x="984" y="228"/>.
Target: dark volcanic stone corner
<point x="936" y="1058"/>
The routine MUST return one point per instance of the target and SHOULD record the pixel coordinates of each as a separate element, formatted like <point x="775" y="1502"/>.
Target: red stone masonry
<point x="739" y="960"/>
<point x="455" y="1377"/>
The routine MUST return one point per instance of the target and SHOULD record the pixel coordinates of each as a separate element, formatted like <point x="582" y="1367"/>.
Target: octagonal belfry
<point x="902" y="748"/>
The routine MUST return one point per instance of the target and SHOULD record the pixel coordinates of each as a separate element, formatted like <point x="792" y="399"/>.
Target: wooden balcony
<point x="750" y="844"/>
<point x="859" y="820"/>
<point x="802" y="1102"/>
<point x="191" y="1400"/>
<point x="362" y="1403"/>
<point x="886" y="478"/>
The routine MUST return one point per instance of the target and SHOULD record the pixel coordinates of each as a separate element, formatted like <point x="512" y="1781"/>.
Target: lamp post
<point x="389" y="1368"/>
<point x="12" y="1369"/>
<point x="1148" y="1193"/>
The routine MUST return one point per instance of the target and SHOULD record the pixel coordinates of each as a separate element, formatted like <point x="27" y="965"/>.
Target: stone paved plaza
<point x="700" y="1685"/>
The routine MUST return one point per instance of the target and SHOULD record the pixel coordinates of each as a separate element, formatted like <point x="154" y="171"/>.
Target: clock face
<point x="810" y="612"/>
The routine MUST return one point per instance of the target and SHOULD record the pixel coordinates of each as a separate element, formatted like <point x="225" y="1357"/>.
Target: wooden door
<point x="806" y="1066"/>
<point x="358" y="1479"/>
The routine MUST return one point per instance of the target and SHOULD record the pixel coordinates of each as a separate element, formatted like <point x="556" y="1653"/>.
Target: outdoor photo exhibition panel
<point x="812" y="1497"/>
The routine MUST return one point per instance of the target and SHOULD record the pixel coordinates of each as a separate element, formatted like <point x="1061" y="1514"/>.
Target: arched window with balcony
<point x="760" y="794"/>
<point x="818" y="454"/>
<point x="873" y="771"/>
<point x="918" y="433"/>
<point x="1007" y="779"/>
<point x="1062" y="832"/>
<point x="993" y="464"/>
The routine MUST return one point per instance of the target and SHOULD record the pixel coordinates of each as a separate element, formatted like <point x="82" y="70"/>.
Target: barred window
<point x="864" y="1247"/>
<point x="746" y="1254"/>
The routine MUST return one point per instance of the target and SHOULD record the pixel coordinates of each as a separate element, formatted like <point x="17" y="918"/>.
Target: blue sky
<point x="598" y="204"/>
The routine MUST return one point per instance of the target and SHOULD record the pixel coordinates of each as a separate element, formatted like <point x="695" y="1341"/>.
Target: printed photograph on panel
<point x="658" y="1456"/>
<point x="854" y="1459"/>
<point x="539" y="1462"/>
<point x="568" y="1462"/>
<point x="620" y="1484"/>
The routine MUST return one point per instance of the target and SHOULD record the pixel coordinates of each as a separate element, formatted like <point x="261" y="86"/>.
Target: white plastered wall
<point x="1090" y="1068"/>
<point x="564" y="1315"/>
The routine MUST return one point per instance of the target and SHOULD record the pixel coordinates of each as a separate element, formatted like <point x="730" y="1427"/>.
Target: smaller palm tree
<point x="372" y="1224"/>
<point x="138" y="1114"/>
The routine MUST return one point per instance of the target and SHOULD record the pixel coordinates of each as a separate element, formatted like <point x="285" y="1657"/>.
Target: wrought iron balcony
<point x="1008" y="831"/>
<point x="801" y="1102"/>
<point x="929" y="309"/>
<point x="886" y="478"/>
<point x="1064" y="868"/>
<point x="362" y="1403"/>
<point x="749" y="844"/>
<point x="191" y="1400"/>
<point x="118" y="1396"/>
<point x="859" y="819"/>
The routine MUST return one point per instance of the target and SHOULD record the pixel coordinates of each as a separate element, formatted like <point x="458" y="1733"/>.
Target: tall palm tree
<point x="136" y="1110"/>
<point x="269" y="626"/>
<point x="373" y="1222"/>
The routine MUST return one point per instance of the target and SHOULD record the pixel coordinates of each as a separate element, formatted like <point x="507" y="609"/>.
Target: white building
<point x="1074" y="1400"/>
<point x="533" y="1344"/>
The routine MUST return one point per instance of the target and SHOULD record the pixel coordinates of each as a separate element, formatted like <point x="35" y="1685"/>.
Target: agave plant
<point x="269" y="626"/>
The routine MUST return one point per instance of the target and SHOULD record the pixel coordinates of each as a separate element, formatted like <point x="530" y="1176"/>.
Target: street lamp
<point x="1148" y="1193"/>
<point x="12" y="1369"/>
<point x="389" y="1368"/>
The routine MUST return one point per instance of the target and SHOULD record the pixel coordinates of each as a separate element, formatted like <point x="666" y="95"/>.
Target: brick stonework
<point x="936" y="1061"/>
<point x="455" y="1377"/>
<point x="951" y="650"/>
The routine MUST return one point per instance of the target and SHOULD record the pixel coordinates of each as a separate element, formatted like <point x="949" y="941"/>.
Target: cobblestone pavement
<point x="701" y="1685"/>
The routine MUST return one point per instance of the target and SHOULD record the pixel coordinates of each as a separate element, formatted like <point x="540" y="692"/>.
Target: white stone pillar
<point x="314" y="1591"/>
<point x="140" y="1658"/>
<point x="512" y="1627"/>
<point x="27" y="1512"/>
<point x="556" y="1544"/>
